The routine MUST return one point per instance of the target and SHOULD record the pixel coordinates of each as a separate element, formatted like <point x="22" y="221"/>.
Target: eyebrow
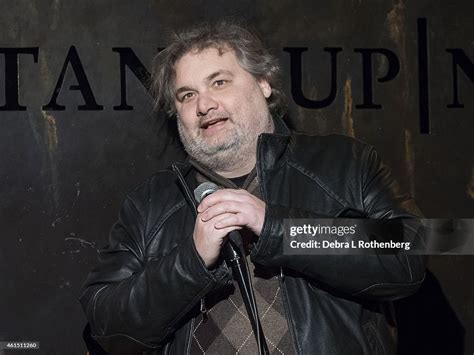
<point x="217" y="73"/>
<point x="208" y="78"/>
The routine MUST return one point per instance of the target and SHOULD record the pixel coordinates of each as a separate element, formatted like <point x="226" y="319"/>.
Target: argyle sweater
<point x="225" y="327"/>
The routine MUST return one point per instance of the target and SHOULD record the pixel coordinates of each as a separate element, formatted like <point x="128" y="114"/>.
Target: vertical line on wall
<point x="347" y="120"/>
<point x="423" y="71"/>
<point x="410" y="161"/>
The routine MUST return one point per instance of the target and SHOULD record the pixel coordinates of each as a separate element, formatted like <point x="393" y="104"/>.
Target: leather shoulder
<point x="334" y="159"/>
<point x="157" y="198"/>
<point x="326" y="147"/>
<point x="156" y="185"/>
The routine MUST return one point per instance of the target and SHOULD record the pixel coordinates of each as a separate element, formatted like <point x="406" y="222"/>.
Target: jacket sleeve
<point x="378" y="277"/>
<point x="134" y="302"/>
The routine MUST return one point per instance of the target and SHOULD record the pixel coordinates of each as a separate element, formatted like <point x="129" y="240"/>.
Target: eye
<point x="187" y="96"/>
<point x="220" y="82"/>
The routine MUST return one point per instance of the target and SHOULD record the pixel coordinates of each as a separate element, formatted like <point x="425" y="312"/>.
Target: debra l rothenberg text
<point x="353" y="244"/>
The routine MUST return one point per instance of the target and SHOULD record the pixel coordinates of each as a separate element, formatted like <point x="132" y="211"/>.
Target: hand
<point x="208" y="239"/>
<point x="219" y="214"/>
<point x="234" y="208"/>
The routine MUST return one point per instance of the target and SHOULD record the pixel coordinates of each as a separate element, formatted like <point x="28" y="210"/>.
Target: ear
<point x="265" y="87"/>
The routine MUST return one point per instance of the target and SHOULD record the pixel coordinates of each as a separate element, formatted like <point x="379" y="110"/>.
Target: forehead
<point x="195" y="66"/>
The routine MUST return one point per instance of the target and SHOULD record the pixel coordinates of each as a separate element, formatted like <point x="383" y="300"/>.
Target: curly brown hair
<point x="223" y="35"/>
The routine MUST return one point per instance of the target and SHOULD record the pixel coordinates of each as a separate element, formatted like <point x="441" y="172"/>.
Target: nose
<point x="206" y="103"/>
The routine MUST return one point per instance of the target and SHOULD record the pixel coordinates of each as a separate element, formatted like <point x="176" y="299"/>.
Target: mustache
<point x="204" y="120"/>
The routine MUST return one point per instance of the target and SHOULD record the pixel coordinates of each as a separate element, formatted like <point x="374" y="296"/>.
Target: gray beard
<point x="222" y="157"/>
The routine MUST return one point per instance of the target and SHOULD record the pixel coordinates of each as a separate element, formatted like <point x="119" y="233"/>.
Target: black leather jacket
<point x="145" y="293"/>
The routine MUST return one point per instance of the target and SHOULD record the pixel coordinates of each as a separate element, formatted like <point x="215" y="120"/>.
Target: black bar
<point x="423" y="103"/>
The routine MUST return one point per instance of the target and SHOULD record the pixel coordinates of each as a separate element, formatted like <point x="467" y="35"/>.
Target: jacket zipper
<point x="187" y="193"/>
<point x="257" y="167"/>
<point x="281" y="279"/>
<point x="190" y="337"/>
<point x="189" y="197"/>
<point x="203" y="309"/>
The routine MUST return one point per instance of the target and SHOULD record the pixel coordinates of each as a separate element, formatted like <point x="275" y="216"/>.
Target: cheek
<point x="254" y="95"/>
<point x="252" y="102"/>
<point x="237" y="102"/>
<point x="185" y="125"/>
<point x="187" y="118"/>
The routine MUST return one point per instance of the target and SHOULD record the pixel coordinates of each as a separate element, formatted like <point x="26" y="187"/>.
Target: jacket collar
<point x="271" y="147"/>
<point x="280" y="127"/>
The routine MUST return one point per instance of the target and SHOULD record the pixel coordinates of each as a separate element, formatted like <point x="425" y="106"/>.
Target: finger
<point x="210" y="225"/>
<point x="218" y="219"/>
<point x="207" y="230"/>
<point x="231" y="220"/>
<point x="220" y="196"/>
<point x="221" y="208"/>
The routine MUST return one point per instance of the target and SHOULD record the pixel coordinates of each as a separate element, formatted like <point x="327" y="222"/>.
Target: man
<point x="162" y="285"/>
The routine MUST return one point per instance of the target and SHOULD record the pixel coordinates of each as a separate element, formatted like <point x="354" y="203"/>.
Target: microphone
<point x="204" y="190"/>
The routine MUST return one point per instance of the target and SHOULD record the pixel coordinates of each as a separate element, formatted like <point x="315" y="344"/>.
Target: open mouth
<point x="212" y="122"/>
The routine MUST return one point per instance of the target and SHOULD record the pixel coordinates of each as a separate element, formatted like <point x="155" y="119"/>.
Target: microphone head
<point x="206" y="188"/>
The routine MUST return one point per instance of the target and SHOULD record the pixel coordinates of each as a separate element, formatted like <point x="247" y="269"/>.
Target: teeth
<point x="210" y="123"/>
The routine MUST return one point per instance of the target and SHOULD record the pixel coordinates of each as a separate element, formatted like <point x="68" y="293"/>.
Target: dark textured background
<point x="64" y="174"/>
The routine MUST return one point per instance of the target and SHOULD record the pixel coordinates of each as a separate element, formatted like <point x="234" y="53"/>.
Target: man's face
<point x="221" y="108"/>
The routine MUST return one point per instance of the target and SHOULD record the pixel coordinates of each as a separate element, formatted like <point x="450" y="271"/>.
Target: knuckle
<point x="240" y="218"/>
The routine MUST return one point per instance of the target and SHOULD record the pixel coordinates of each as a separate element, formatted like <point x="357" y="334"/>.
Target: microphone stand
<point x="233" y="254"/>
